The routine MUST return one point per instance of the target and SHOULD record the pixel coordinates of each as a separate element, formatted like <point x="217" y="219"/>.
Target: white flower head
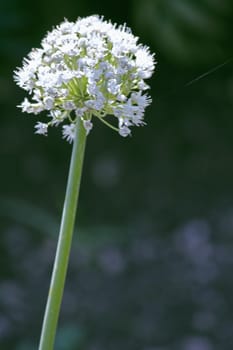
<point x="85" y="69"/>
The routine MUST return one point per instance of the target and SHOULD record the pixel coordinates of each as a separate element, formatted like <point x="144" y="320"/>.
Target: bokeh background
<point x="152" y="259"/>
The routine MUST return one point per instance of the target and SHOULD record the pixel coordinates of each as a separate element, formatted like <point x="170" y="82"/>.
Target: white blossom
<point x="124" y="131"/>
<point x="79" y="112"/>
<point x="49" y="102"/>
<point x="68" y="132"/>
<point x="88" y="125"/>
<point x="86" y="69"/>
<point x="41" y="128"/>
<point x="113" y="87"/>
<point x="68" y="105"/>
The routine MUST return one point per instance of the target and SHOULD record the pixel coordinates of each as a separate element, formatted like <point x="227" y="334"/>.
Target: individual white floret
<point x="68" y="132"/>
<point x="124" y="131"/>
<point x="88" y="125"/>
<point x="41" y="128"/>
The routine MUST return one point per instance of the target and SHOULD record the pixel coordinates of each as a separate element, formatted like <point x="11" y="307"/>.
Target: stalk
<point x="57" y="283"/>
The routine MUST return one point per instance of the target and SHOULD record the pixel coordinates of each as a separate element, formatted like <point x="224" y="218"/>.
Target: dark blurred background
<point x="152" y="259"/>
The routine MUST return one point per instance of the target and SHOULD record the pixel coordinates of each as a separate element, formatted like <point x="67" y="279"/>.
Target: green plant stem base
<point x="64" y="242"/>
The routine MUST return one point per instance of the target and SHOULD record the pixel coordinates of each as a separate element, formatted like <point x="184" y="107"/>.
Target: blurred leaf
<point x="69" y="337"/>
<point x="189" y="31"/>
<point x="29" y="215"/>
<point x="26" y="345"/>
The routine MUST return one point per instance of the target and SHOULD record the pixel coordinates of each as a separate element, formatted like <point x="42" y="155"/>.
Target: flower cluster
<point x="85" y="69"/>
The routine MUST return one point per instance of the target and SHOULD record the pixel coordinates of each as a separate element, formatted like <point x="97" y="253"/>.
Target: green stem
<point x="64" y="242"/>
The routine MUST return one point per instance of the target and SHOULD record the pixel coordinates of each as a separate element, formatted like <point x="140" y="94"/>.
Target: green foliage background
<point x="151" y="267"/>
